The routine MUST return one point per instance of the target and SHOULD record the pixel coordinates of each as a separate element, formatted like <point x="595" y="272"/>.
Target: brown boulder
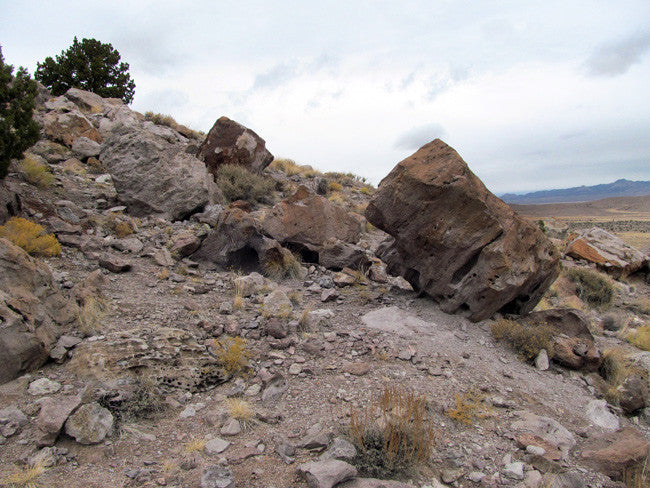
<point x="33" y="312"/>
<point x="456" y="241"/>
<point x="67" y="127"/>
<point x="607" y="251"/>
<point x="231" y="143"/>
<point x="238" y="242"/>
<point x="574" y="345"/>
<point x="308" y="223"/>
<point x="615" y="452"/>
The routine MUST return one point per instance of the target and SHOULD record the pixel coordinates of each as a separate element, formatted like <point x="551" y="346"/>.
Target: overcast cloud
<point x="533" y="95"/>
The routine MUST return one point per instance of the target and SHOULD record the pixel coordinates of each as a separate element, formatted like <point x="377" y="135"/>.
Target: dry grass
<point x="237" y="183"/>
<point x="303" y="321"/>
<point x="640" y="337"/>
<point x="91" y="315"/>
<point x="638" y="475"/>
<point x="291" y="168"/>
<point x="232" y="354"/>
<point x="164" y="274"/>
<point x="335" y="186"/>
<point x="393" y="433"/>
<point x="615" y="369"/>
<point x="469" y="407"/>
<point x="528" y="341"/>
<point x="36" y="172"/>
<point x="592" y="287"/>
<point x="168" y="121"/>
<point x="123" y="229"/>
<point x="280" y="266"/>
<point x="31" y="237"/>
<point x="25" y="477"/>
<point x="195" y="445"/>
<point x="242" y="411"/>
<point x="337" y="198"/>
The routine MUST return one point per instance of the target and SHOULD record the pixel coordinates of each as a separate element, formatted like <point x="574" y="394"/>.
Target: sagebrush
<point x="31" y="237"/>
<point x="527" y="340"/>
<point x="237" y="183"/>
<point x="232" y="354"/>
<point x="592" y="287"/>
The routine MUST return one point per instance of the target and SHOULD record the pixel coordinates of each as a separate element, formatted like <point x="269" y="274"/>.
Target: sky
<point x="532" y="94"/>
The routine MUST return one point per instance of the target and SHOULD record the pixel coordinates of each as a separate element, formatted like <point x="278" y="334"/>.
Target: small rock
<point x="535" y="450"/>
<point x="295" y="369"/>
<point x="598" y="414"/>
<point x="286" y="451"/>
<point x="217" y="477"/>
<point x="216" y="446"/>
<point x="53" y="415"/>
<point x="115" y="264"/>
<point x="476" y="476"/>
<point x="315" y="439"/>
<point x="541" y="361"/>
<point x="357" y="369"/>
<point x="188" y="412"/>
<point x="329" y="295"/>
<point x="90" y="424"/>
<point x="43" y="386"/>
<point x="514" y="470"/>
<point x="450" y="475"/>
<point x="340" y="449"/>
<point x="276" y="328"/>
<point x="231" y="427"/>
<point x="163" y="257"/>
<point x="11" y="421"/>
<point x="276" y="387"/>
<point x="326" y="474"/>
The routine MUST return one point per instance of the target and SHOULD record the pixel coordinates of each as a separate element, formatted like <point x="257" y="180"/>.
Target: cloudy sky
<point x="533" y="95"/>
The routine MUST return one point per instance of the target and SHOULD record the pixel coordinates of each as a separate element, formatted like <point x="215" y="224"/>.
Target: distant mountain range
<point x="620" y="188"/>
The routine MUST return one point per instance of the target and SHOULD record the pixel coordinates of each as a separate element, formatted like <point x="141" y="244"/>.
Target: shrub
<point x="145" y="401"/>
<point x="335" y="186"/>
<point x="337" y="198"/>
<point x="469" y="407"/>
<point x="367" y="190"/>
<point x="237" y="183"/>
<point x="592" y="287"/>
<point x="89" y="65"/>
<point x="168" y="121"/>
<point x="232" y="354"/>
<point x="18" y="130"/>
<point x="25" y="476"/>
<point x="640" y="337"/>
<point x="527" y="340"/>
<point x="36" y="172"/>
<point x="31" y="237"/>
<point x="123" y="229"/>
<point x="393" y="434"/>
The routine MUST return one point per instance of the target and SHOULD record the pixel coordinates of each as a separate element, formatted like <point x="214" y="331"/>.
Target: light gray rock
<point x="316" y="438"/>
<point x="153" y="176"/>
<point x="216" y="446"/>
<point x="598" y="414"/>
<point x="570" y="479"/>
<point x="277" y="304"/>
<point x="86" y="148"/>
<point x="339" y="449"/>
<point x="90" y="424"/>
<point x="326" y="474"/>
<point x="43" y="386"/>
<point x="276" y="387"/>
<point x="12" y="420"/>
<point x="217" y="477"/>
<point x="250" y="284"/>
<point x="541" y="361"/>
<point x="231" y="427"/>
<point x="393" y="320"/>
<point x="514" y="470"/>
<point x="547" y="428"/>
<point x="53" y="415"/>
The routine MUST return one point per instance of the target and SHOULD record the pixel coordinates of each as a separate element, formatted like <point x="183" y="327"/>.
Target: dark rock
<point x="337" y="255"/>
<point x="615" y="452"/>
<point x="231" y="143"/>
<point x="456" y="241"/>
<point x="115" y="264"/>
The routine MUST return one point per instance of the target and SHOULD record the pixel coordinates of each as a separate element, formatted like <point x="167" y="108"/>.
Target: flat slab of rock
<point x="609" y="252"/>
<point x="546" y="428"/>
<point x="456" y="241"/>
<point x="231" y="143"/>
<point x="326" y="474"/>
<point x="394" y="320"/>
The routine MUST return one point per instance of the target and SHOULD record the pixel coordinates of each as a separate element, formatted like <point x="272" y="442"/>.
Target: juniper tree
<point x="89" y="65"/>
<point x="18" y="130"/>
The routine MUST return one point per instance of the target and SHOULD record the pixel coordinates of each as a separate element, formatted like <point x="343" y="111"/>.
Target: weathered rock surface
<point x="217" y="477"/>
<point x="154" y="176"/>
<point x="65" y="125"/>
<point x="239" y="242"/>
<point x="231" y="143"/>
<point x="33" y="312"/>
<point x="85" y="147"/>
<point x="326" y="474"/>
<point x="456" y="241"/>
<point x="614" y="452"/>
<point x="52" y="416"/>
<point x="9" y="203"/>
<point x="306" y="222"/>
<point x="609" y="252"/>
<point x="90" y="424"/>
<point x="574" y="345"/>
<point x="547" y="429"/>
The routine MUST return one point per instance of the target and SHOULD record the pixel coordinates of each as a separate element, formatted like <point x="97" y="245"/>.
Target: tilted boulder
<point x="154" y="176"/>
<point x="33" y="312"/>
<point x="607" y="251"/>
<point x="307" y="222"/>
<point x="67" y="127"/>
<point x="456" y="241"/>
<point x="231" y="143"/>
<point x="238" y="242"/>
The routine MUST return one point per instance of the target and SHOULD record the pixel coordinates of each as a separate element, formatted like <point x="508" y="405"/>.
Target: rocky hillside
<point x="182" y="310"/>
<point x="619" y="188"/>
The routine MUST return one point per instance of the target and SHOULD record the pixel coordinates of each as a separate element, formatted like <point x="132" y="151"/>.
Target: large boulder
<point x="154" y="176"/>
<point x="65" y="123"/>
<point x="607" y="251"/>
<point x="231" y="143"/>
<point x="456" y="241"/>
<point x="308" y="222"/>
<point x="33" y="312"/>
<point x="238" y="242"/>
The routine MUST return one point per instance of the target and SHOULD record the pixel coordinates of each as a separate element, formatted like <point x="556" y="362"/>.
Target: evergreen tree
<point x="18" y="130"/>
<point x="89" y="65"/>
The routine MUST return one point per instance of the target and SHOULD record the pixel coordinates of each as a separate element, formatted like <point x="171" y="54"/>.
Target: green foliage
<point x="393" y="434"/>
<point x="592" y="287"/>
<point x="528" y="341"/>
<point x="237" y="183"/>
<point x="18" y="130"/>
<point x="89" y="65"/>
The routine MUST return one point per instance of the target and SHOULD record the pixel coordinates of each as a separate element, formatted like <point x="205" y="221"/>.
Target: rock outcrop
<point x="154" y="176"/>
<point x="456" y="241"/>
<point x="231" y="143"/>
<point x="308" y="223"/>
<point x="33" y="312"/>
<point x="607" y="251"/>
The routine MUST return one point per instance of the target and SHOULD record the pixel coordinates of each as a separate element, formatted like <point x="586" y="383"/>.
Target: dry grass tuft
<point x="242" y="411"/>
<point x="528" y="341"/>
<point x="123" y="229"/>
<point x="31" y="237"/>
<point x="36" y="172"/>
<point x="25" y="477"/>
<point x="91" y="315"/>
<point x="393" y="434"/>
<point x="592" y="287"/>
<point x="638" y="474"/>
<point x="640" y="337"/>
<point x="281" y="265"/>
<point x="335" y="186"/>
<point x="169" y="121"/>
<point x="237" y="183"/>
<point x="195" y="445"/>
<point x="469" y="407"/>
<point x="232" y="354"/>
<point x="336" y="197"/>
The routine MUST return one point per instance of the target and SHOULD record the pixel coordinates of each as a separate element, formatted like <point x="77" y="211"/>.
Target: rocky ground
<point x="135" y="392"/>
